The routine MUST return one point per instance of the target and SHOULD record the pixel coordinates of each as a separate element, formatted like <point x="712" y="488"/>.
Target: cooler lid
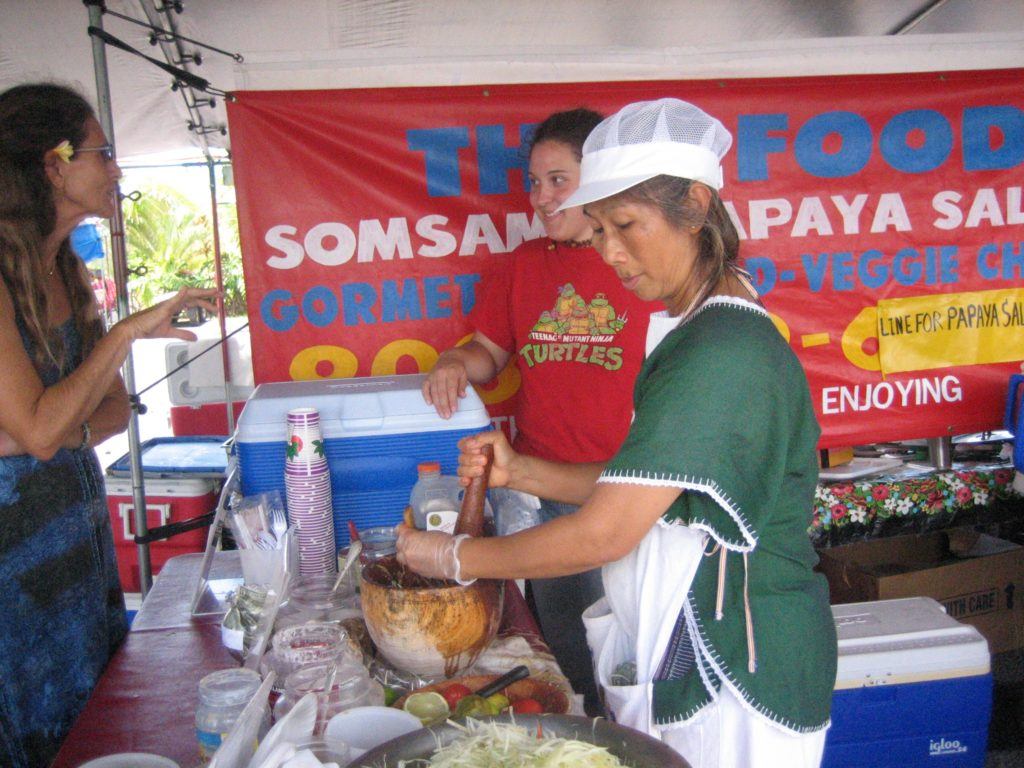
<point x="358" y="407"/>
<point x="196" y="456"/>
<point x="155" y="487"/>
<point x="906" y="640"/>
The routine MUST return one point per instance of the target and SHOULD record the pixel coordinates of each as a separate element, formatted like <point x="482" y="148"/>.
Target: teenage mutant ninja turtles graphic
<point x="547" y="323"/>
<point x="602" y="316"/>
<point x="568" y="301"/>
<point x="572" y="315"/>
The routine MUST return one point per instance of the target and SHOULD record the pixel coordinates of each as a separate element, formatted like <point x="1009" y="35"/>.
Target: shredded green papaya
<point x="501" y="745"/>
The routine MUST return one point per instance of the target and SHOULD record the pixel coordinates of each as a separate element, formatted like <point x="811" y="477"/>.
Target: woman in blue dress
<point x="60" y="393"/>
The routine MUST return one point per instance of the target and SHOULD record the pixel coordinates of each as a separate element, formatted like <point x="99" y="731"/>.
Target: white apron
<point x="644" y="594"/>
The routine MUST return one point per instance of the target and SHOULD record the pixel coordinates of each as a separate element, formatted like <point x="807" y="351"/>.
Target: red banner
<point x="881" y="217"/>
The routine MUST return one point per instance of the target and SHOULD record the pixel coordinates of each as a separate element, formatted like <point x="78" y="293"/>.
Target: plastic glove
<point x="431" y="553"/>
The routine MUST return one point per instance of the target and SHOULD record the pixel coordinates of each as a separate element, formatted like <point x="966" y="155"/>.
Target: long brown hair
<point x="35" y="118"/>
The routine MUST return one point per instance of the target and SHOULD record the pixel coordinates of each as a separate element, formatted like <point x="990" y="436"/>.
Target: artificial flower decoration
<point x="64" y="151"/>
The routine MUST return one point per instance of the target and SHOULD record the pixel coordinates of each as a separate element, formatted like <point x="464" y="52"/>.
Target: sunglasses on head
<point x="106" y="151"/>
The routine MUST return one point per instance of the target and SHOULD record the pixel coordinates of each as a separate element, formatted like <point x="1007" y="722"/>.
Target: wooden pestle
<point x="471" y="515"/>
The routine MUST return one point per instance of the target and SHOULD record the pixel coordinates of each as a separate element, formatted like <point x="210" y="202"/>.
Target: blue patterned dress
<point x="61" y="606"/>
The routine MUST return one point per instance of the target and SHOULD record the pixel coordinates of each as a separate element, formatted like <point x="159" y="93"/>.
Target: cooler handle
<point x="1016" y="381"/>
<point x="1014" y="420"/>
<point x="127" y="513"/>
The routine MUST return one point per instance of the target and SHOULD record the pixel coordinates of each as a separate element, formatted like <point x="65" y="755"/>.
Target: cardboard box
<point x="977" y="578"/>
<point x="834" y="457"/>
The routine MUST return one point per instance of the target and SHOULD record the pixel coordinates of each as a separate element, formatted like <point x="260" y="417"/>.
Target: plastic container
<point x="376" y="430"/>
<point x="921" y="679"/>
<point x="352" y="687"/>
<point x="514" y="511"/>
<point x="378" y="543"/>
<point x="363" y="728"/>
<point x="435" y="498"/>
<point x="168" y="500"/>
<point x="327" y="751"/>
<point x="222" y="697"/>
<point x="315" y="599"/>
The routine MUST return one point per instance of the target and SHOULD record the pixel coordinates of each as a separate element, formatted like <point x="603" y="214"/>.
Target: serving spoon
<point x="353" y="554"/>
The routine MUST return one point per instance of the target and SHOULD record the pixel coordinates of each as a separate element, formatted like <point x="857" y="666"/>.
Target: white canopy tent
<point x="305" y="44"/>
<point x="289" y="44"/>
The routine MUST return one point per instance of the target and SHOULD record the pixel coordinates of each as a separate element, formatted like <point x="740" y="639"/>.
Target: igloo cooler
<point x="376" y="430"/>
<point x="168" y="500"/>
<point x="913" y="688"/>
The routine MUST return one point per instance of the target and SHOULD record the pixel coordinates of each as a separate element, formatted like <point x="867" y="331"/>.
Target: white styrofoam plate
<point x="859" y="467"/>
<point x="131" y="760"/>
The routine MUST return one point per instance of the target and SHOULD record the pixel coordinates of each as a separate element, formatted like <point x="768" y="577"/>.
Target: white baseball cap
<point x="646" y="139"/>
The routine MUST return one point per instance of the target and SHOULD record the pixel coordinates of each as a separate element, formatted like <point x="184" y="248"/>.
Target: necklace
<point x="575" y="243"/>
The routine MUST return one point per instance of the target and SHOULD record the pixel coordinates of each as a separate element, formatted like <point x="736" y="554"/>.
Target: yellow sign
<point x="951" y="329"/>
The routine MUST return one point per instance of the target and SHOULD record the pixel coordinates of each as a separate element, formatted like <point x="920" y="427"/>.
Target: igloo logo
<point x="938" y="747"/>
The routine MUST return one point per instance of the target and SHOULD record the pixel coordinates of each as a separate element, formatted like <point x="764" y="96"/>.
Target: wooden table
<point x="147" y="697"/>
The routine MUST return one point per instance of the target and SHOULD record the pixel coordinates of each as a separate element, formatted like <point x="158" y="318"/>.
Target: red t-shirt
<point x="579" y="339"/>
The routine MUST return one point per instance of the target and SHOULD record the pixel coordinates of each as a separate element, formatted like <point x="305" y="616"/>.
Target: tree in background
<point x="169" y="244"/>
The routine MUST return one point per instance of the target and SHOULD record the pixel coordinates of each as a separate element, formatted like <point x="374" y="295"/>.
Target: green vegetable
<point x="500" y="745"/>
<point x="499" y="702"/>
<point x="472" y="706"/>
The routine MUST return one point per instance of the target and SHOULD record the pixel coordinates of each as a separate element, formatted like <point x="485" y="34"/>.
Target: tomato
<point x="527" y="707"/>
<point x="453" y="693"/>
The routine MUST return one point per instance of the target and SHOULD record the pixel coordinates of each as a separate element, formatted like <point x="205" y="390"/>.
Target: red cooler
<point x="205" y="419"/>
<point x="168" y="500"/>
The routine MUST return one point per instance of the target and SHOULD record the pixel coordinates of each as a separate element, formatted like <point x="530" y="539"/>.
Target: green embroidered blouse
<point x="723" y="411"/>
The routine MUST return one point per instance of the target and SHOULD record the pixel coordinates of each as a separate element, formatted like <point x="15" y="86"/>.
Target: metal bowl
<point x="632" y="748"/>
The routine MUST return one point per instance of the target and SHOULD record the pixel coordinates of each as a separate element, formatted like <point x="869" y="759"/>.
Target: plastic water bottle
<point x="435" y="498"/>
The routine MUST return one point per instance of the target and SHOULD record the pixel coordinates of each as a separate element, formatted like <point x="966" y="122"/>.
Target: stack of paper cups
<point x="307" y="483"/>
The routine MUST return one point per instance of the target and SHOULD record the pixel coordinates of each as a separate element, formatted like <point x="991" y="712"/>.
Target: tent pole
<point x="221" y="308"/>
<point x="99" y="57"/>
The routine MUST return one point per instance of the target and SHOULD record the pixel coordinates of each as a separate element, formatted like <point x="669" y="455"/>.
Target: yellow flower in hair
<point x="64" y="151"/>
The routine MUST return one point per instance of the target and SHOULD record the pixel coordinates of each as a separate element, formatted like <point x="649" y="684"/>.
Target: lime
<point x="498" y="703"/>
<point x="429" y="706"/>
<point x="391" y="695"/>
<point x="473" y="706"/>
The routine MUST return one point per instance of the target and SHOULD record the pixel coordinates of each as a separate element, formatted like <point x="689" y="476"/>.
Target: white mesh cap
<point x="647" y="139"/>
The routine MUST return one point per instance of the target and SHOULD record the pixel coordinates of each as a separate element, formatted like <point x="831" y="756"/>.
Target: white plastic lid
<point x="349" y="408"/>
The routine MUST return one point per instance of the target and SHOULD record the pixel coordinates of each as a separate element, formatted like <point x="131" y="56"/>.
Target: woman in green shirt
<point x="715" y="634"/>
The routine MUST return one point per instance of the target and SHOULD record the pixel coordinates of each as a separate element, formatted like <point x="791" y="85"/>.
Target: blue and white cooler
<point x="913" y="688"/>
<point x="376" y="430"/>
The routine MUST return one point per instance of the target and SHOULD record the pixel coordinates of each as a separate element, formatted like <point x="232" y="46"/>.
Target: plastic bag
<point x="514" y="510"/>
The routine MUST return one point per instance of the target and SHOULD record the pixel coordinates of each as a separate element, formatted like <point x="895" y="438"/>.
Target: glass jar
<point x="312" y="642"/>
<point x="352" y="687"/>
<point x="309" y="643"/>
<point x="315" y="599"/>
<point x="378" y="543"/>
<point x="222" y="697"/>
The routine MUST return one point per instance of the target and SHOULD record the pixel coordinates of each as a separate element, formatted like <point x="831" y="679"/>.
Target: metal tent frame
<point x="187" y="84"/>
